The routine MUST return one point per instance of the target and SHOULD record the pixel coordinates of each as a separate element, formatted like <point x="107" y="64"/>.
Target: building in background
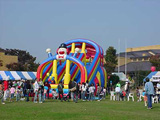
<point x="137" y="58"/>
<point x="7" y="59"/>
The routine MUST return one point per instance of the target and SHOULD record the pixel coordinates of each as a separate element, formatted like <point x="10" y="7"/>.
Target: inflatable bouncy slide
<point x="77" y="59"/>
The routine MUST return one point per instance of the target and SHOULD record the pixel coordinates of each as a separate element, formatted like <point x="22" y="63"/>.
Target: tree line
<point x="26" y="62"/>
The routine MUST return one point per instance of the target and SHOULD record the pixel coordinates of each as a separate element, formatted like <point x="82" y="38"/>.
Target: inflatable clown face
<point x="62" y="52"/>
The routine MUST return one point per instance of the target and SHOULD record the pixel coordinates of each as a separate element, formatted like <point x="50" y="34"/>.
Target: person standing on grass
<point x="149" y="91"/>
<point x="48" y="85"/>
<point x="98" y="91"/>
<point x="1" y="92"/>
<point x="12" y="91"/>
<point x="91" y="92"/>
<point x="6" y="88"/>
<point x="145" y="98"/>
<point x="137" y="94"/>
<point x="127" y="89"/>
<point x="72" y="87"/>
<point x="22" y="86"/>
<point x="104" y="91"/>
<point x="44" y="93"/>
<point x="75" y="97"/>
<point x="28" y="88"/>
<point x="84" y="88"/>
<point x="60" y="91"/>
<point x="36" y="87"/>
<point x="18" y="93"/>
<point x="117" y="90"/>
<point x="40" y="92"/>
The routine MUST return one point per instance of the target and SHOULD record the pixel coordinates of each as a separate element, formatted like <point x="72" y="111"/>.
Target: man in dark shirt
<point x="28" y="87"/>
<point x="60" y="91"/>
<point x="48" y="85"/>
<point x="72" y="84"/>
<point x="76" y="92"/>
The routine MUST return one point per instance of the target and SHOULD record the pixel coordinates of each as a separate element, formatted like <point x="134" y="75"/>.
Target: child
<point x="18" y="93"/>
<point x="122" y="95"/>
<point x="84" y="88"/>
<point x="145" y="97"/>
<point x="40" y="92"/>
<point x="91" y="92"/>
<point x="98" y="91"/>
<point x="138" y="94"/>
<point x="104" y="91"/>
<point x="45" y="92"/>
<point x="12" y="91"/>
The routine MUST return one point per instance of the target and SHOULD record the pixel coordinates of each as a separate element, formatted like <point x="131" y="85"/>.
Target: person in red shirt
<point x="6" y="85"/>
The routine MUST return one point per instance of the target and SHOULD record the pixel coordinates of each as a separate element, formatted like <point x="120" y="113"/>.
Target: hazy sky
<point x="35" y="25"/>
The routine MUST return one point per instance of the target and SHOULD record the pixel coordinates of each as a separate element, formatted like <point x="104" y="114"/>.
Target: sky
<point x="35" y="25"/>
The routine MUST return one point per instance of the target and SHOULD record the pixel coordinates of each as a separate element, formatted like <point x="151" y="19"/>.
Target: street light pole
<point x="125" y="57"/>
<point x="118" y="55"/>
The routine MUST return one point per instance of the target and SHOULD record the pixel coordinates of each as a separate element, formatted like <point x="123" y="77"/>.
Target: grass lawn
<point x="56" y="110"/>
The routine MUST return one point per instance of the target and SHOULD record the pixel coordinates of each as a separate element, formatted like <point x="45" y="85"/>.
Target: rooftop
<point x="138" y="54"/>
<point x="136" y="66"/>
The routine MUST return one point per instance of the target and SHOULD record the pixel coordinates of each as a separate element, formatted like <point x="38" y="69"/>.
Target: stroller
<point x="66" y="97"/>
<point x="101" y="95"/>
<point x="55" y="94"/>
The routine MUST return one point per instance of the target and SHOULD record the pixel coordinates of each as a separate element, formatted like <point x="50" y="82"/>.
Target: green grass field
<point x="96" y="110"/>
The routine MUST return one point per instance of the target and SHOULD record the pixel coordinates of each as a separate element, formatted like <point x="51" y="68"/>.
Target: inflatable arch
<point x="77" y="59"/>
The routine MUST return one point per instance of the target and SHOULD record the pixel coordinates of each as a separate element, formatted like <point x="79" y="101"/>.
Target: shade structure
<point x="153" y="76"/>
<point x="17" y="75"/>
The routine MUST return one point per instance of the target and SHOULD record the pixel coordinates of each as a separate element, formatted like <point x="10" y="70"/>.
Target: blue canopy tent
<point x="153" y="76"/>
<point x="0" y="77"/>
<point x="17" y="75"/>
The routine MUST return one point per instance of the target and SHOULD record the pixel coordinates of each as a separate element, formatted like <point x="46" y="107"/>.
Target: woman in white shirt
<point x="91" y="92"/>
<point x="36" y="87"/>
<point x="84" y="88"/>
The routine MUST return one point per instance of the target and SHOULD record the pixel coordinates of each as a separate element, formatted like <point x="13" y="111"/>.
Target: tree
<point x="114" y="78"/>
<point x="1" y="61"/>
<point x="155" y="60"/>
<point x="111" y="60"/>
<point x="26" y="62"/>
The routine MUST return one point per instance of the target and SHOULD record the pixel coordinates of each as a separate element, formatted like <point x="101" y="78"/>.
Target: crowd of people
<point x="18" y="89"/>
<point x="37" y="91"/>
<point x="86" y="92"/>
<point x="120" y="93"/>
<point x="148" y="93"/>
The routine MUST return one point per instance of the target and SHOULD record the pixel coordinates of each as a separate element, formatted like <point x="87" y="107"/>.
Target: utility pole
<point x="118" y="55"/>
<point x="125" y="57"/>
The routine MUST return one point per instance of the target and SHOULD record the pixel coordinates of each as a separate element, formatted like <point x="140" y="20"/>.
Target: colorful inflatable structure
<point x="78" y="59"/>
